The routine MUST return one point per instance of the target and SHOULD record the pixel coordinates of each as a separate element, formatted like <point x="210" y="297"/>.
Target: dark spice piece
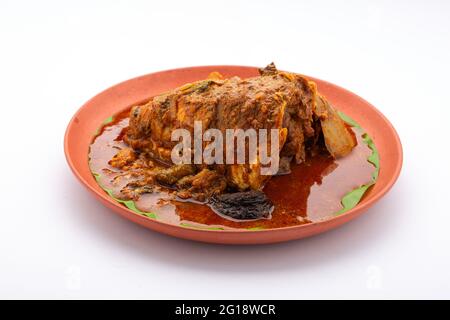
<point x="248" y="205"/>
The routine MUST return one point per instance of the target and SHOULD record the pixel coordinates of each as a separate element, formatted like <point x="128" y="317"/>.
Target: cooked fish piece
<point x="201" y="185"/>
<point x="274" y="100"/>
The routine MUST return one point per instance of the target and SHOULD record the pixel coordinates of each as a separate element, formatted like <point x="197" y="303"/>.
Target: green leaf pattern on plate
<point x="351" y="199"/>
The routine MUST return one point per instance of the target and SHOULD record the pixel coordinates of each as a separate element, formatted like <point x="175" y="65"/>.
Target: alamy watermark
<point x="239" y="146"/>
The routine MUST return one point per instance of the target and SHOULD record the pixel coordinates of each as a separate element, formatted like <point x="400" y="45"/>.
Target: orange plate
<point x="90" y="116"/>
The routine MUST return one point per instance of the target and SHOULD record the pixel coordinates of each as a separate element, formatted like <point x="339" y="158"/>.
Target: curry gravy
<point x="311" y="192"/>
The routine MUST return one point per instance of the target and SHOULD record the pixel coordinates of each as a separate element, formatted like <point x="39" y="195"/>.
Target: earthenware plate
<point x="89" y="117"/>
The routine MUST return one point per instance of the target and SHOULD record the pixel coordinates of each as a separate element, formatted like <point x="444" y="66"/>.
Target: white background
<point x="56" y="241"/>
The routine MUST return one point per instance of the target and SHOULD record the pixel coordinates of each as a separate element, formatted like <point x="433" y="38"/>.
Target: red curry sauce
<point x="311" y="192"/>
